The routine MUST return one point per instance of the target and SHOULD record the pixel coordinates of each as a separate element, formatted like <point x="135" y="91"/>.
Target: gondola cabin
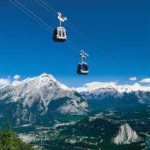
<point x="59" y="34"/>
<point x="82" y="69"/>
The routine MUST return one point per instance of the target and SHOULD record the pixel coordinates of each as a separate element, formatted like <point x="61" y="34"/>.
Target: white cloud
<point x="134" y="87"/>
<point x="146" y="80"/>
<point x="133" y="78"/>
<point x="4" y="81"/>
<point x="12" y="81"/>
<point x="16" y="77"/>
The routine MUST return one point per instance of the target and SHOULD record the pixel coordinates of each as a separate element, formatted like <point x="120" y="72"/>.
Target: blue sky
<point x="115" y="33"/>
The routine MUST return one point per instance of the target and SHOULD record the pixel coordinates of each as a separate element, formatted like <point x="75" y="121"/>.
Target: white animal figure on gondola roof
<point x="61" y="18"/>
<point x="83" y="55"/>
<point x="82" y="68"/>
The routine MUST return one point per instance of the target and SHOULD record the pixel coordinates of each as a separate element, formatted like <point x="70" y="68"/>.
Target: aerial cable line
<point x="49" y="28"/>
<point x="71" y="44"/>
<point x="31" y="14"/>
<point x="112" y="57"/>
<point x="48" y="8"/>
<point x="34" y="15"/>
<point x="36" y="18"/>
<point x="54" y="13"/>
<point x="85" y="38"/>
<point x="107" y="53"/>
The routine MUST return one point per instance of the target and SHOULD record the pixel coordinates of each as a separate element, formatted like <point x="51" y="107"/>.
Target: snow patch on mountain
<point x="99" y="90"/>
<point x="94" y="86"/>
<point x="126" y="135"/>
<point x="89" y="87"/>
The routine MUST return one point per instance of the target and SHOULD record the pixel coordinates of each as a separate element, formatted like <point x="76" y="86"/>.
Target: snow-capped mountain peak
<point x="42" y="94"/>
<point x="44" y="87"/>
<point x="97" y="85"/>
<point x="115" y="92"/>
<point x="121" y="88"/>
<point x="42" y="80"/>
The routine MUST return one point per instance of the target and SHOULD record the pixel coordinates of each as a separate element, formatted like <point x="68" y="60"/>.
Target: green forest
<point x="9" y="141"/>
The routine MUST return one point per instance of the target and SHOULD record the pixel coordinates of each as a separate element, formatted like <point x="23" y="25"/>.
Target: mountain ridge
<point x="39" y="96"/>
<point x="114" y="92"/>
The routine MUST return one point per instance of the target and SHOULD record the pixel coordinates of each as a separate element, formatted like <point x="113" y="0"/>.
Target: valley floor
<point x="96" y="131"/>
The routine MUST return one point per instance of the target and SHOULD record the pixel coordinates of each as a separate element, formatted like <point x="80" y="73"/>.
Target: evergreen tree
<point x="9" y="141"/>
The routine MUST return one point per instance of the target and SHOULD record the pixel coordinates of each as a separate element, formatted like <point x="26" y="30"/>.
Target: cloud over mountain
<point x="145" y="80"/>
<point x="133" y="78"/>
<point x="4" y="81"/>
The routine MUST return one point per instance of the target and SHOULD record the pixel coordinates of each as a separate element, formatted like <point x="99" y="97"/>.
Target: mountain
<point x="30" y="100"/>
<point x="113" y="92"/>
<point x="126" y="135"/>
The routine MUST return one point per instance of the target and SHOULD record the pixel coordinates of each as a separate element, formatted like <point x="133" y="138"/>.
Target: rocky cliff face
<point x="126" y="135"/>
